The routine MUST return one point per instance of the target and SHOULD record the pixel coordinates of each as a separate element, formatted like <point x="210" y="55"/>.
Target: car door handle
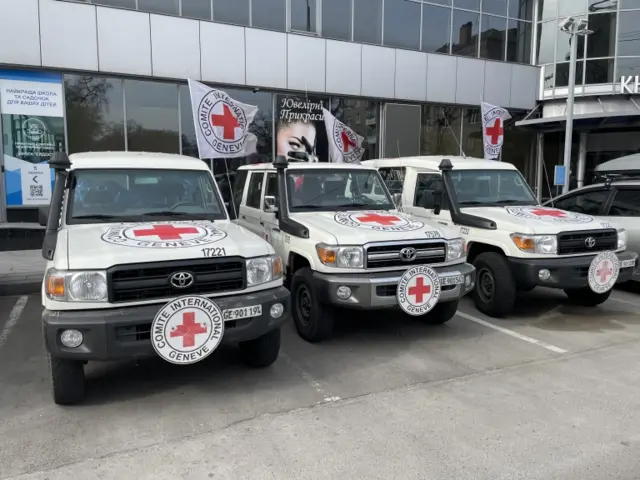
<point x="262" y="223"/>
<point x="275" y="229"/>
<point x="443" y="223"/>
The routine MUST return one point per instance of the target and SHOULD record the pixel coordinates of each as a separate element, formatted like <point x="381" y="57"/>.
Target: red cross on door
<point x="495" y="131"/>
<point x="419" y="290"/>
<point x="347" y="142"/>
<point x="604" y="272"/>
<point x="379" y="219"/>
<point x="548" y="212"/>
<point x="188" y="330"/>
<point x="227" y="121"/>
<point x="166" y="232"/>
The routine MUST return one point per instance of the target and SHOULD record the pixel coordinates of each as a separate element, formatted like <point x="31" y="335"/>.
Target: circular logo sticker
<point x="34" y="129"/>
<point x="222" y="122"/>
<point x="347" y="142"/>
<point x="187" y="330"/>
<point x="418" y="290"/>
<point x="552" y="215"/>
<point x="379" y="221"/>
<point x="603" y="272"/>
<point x="164" y="235"/>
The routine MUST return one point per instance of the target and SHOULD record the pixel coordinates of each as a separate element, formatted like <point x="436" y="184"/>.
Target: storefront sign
<point x="630" y="85"/>
<point x="300" y="127"/>
<point x="32" y="109"/>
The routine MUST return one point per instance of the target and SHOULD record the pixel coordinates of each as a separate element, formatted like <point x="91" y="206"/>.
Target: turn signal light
<point x="277" y="267"/>
<point x="524" y="243"/>
<point x="326" y="256"/>
<point x="55" y="286"/>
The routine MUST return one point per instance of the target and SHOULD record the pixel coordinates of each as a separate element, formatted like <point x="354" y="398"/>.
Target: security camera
<point x="583" y="27"/>
<point x="566" y="24"/>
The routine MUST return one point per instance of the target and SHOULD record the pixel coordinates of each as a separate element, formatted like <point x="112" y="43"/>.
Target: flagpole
<point x="226" y="167"/>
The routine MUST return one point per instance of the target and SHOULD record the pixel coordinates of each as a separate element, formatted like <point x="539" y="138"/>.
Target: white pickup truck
<point x="142" y="260"/>
<point x="513" y="241"/>
<point x="344" y="244"/>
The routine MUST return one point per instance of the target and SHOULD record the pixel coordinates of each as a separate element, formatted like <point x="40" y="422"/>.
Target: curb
<point x="20" y="288"/>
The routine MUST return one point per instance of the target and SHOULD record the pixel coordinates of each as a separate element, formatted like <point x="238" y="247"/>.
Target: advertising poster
<point x="300" y="126"/>
<point x="32" y="113"/>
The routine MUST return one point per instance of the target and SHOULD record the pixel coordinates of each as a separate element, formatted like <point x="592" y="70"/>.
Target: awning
<point x="587" y="121"/>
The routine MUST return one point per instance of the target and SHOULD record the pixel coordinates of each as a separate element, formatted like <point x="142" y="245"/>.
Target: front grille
<point x="147" y="281"/>
<point x="576" y="242"/>
<point x="388" y="255"/>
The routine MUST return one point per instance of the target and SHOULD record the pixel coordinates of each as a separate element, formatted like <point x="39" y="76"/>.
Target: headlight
<point x="456" y="249"/>
<point x="263" y="270"/>
<point x="622" y="238"/>
<point x="536" y="243"/>
<point x="76" y="286"/>
<point x="341" y="257"/>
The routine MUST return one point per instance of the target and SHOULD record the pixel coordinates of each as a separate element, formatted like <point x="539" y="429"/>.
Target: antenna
<point x="398" y="146"/>
<point x="448" y="125"/>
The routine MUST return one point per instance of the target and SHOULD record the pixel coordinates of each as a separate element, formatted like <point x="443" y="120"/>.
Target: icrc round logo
<point x="378" y="220"/>
<point x="222" y="122"/>
<point x="418" y="290"/>
<point x="347" y="142"/>
<point x="551" y="215"/>
<point x="164" y="235"/>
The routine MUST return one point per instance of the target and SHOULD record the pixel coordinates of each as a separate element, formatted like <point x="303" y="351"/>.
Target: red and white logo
<point x="378" y="220"/>
<point x="187" y="330"/>
<point x="222" y="122"/>
<point x="493" y="118"/>
<point x="552" y="215"/>
<point x="418" y="290"/>
<point x="603" y="272"/>
<point x="164" y="235"/>
<point x="347" y="143"/>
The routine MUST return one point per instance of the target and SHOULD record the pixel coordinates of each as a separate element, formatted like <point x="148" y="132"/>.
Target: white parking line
<point x="14" y="316"/>
<point x="312" y="382"/>
<point x="517" y="335"/>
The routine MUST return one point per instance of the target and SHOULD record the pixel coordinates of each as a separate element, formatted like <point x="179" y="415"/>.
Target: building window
<point x="467" y="4"/>
<point x="628" y="67"/>
<point x="116" y="3"/>
<point x="628" y="38"/>
<point x="602" y="42"/>
<point x="599" y="71"/>
<point x="570" y="8"/>
<point x="367" y="21"/>
<point x="495" y="7"/>
<point x="562" y="74"/>
<point x="521" y="9"/>
<point x="465" y="33"/>
<point x="336" y="19"/>
<point x="231" y="11"/>
<point x="303" y="16"/>
<point x="493" y="37"/>
<point x="152" y="116"/>
<point x="200" y="9"/>
<point x="94" y="113"/>
<point x="548" y="9"/>
<point x="168" y="7"/>
<point x="518" y="41"/>
<point x="436" y="29"/>
<point x="440" y="130"/>
<point x="351" y="112"/>
<point x="546" y="42"/>
<point x="563" y="48"/>
<point x="402" y="24"/>
<point x="269" y="14"/>
<point x="472" y="141"/>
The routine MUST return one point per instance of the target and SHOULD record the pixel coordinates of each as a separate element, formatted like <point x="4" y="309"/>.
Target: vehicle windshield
<point x="491" y="188"/>
<point x="336" y="189"/>
<point x="134" y="195"/>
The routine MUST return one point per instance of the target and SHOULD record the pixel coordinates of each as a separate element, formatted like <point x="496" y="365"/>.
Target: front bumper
<point x="566" y="273"/>
<point x="123" y="333"/>
<point x="378" y="290"/>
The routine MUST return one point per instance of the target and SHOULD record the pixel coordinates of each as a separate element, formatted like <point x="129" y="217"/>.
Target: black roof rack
<point x="610" y="177"/>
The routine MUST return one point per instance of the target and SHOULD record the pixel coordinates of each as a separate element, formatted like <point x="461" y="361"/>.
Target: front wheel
<point x="67" y="380"/>
<point x="495" y="291"/>
<point x="441" y="313"/>
<point x="587" y="297"/>
<point x="262" y="351"/>
<point x="314" y="320"/>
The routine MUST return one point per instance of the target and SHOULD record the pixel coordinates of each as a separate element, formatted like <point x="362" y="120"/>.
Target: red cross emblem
<point x="346" y="141"/>
<point x="604" y="272"/>
<point x="495" y="132"/>
<point x="419" y="290"/>
<point x="379" y="219"/>
<point x="227" y="121"/>
<point x="188" y="330"/>
<point x="548" y="212"/>
<point x="166" y="232"/>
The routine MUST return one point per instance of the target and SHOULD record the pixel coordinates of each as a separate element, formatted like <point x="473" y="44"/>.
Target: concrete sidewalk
<point x="21" y="272"/>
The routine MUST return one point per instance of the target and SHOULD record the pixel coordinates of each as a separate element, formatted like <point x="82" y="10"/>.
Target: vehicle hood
<point x="100" y="246"/>
<point x="360" y="227"/>
<point x="538" y="220"/>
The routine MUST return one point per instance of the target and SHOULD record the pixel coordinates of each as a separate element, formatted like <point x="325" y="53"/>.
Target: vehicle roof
<point x="304" y="165"/>
<point x="432" y="162"/>
<point x="622" y="164"/>
<point x="141" y="160"/>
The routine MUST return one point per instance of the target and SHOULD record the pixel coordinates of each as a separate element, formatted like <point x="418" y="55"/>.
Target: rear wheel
<point x="262" y="351"/>
<point x="587" y="297"/>
<point x="441" y="313"/>
<point x="67" y="380"/>
<point x="313" y="320"/>
<point x="495" y="291"/>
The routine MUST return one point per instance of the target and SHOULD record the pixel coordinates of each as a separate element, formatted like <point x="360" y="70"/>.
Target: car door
<point x="250" y="214"/>
<point x="422" y="202"/>
<point x="270" y="219"/>
<point x="624" y="211"/>
<point x="588" y="201"/>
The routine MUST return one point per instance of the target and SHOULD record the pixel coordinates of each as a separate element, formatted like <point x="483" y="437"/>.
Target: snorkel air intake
<point x="60" y="163"/>
<point x="286" y="224"/>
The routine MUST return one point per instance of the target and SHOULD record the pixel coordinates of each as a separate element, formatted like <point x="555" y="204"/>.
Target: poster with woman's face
<point x="300" y="128"/>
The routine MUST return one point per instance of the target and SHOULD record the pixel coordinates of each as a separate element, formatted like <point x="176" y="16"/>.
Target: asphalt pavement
<point x="550" y="393"/>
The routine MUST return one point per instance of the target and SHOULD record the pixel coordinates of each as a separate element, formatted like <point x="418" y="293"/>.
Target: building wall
<point x="75" y="36"/>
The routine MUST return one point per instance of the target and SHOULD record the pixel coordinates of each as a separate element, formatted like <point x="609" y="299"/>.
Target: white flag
<point x="493" y="119"/>
<point x="345" y="145"/>
<point x="222" y="123"/>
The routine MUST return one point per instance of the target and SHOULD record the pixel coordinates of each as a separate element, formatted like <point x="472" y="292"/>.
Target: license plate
<point x="242" y="312"/>
<point x="628" y="263"/>
<point x="451" y="280"/>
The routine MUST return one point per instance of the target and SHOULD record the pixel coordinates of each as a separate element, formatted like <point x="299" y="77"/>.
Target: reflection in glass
<point x="600" y="5"/>
<point x="152" y="116"/>
<point x="188" y="138"/>
<point x="599" y="71"/>
<point x="169" y="7"/>
<point x="197" y="9"/>
<point x="440" y="130"/>
<point x="516" y="148"/>
<point x="116" y="3"/>
<point x="441" y="2"/>
<point x="628" y="67"/>
<point x="94" y="113"/>
<point x="303" y="15"/>
<point x="402" y="24"/>
<point x="519" y="41"/>
<point x="469" y="4"/>
<point x="465" y="33"/>
<point x="367" y="21"/>
<point x="629" y="34"/>
<point x="548" y="9"/>
<point x="546" y="42"/>
<point x="270" y="14"/>
<point x="602" y="42"/>
<point x="436" y="29"/>
<point x="562" y="74"/>
<point x="496" y="7"/>
<point x="628" y="4"/>
<point x="493" y="37"/>
<point x="563" y="52"/>
<point x="570" y="7"/>
<point x="336" y="19"/>
<point x="472" y="142"/>
<point x="231" y="11"/>
<point x="522" y="9"/>
<point x="362" y="117"/>
<point x="549" y="76"/>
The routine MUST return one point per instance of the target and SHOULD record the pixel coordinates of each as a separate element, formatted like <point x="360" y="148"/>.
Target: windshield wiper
<point x="311" y="206"/>
<point x="508" y="202"/>
<point x="94" y="217"/>
<point x="169" y="213"/>
<point x="472" y="202"/>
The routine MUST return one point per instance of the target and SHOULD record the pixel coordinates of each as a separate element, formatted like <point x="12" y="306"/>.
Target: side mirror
<point x="437" y="202"/>
<point x="270" y="204"/>
<point x="397" y="200"/>
<point x="43" y="216"/>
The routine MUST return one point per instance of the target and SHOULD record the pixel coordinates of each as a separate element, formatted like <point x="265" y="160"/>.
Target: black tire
<point x="262" y="351"/>
<point x="441" y="313"/>
<point x="495" y="291"/>
<point x="67" y="380"/>
<point x="586" y="297"/>
<point x="313" y="320"/>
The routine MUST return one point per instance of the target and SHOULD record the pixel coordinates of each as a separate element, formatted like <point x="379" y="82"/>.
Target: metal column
<point x="582" y="158"/>
<point x="539" y="164"/>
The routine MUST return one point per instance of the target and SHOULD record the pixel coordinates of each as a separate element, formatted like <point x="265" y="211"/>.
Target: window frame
<point x="604" y="206"/>
<point x="244" y="174"/>
<point x="269" y="176"/>
<point x="255" y="174"/>
<point x="445" y="196"/>
<point x="612" y="198"/>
